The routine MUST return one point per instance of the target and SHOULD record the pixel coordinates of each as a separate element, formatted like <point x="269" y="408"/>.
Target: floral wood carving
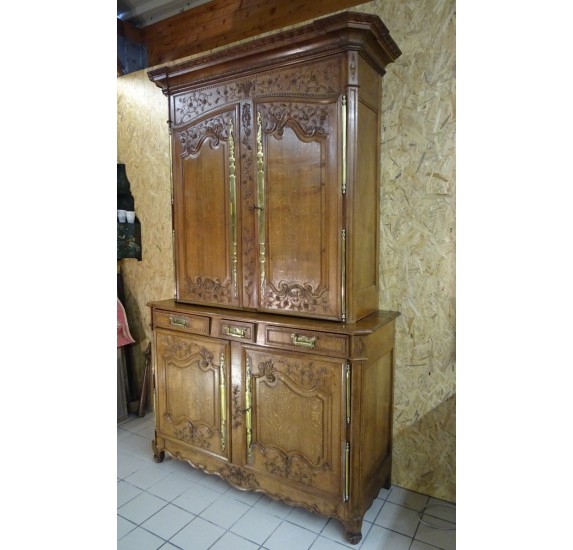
<point x="294" y="467"/>
<point x="237" y="411"/>
<point x="239" y="477"/>
<point x="359" y="346"/>
<point x="311" y="120"/>
<point x="305" y="375"/>
<point x="297" y="296"/>
<point x="213" y="129"/>
<point x="209" y="290"/>
<point x="198" y="436"/>
<point x="318" y="80"/>
<point x="180" y="349"/>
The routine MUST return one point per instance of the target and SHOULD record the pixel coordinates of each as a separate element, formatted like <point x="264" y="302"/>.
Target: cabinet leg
<point x="158" y="455"/>
<point x="353" y="530"/>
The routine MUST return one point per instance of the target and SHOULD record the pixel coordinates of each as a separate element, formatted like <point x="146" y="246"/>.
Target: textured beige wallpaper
<point x="417" y="228"/>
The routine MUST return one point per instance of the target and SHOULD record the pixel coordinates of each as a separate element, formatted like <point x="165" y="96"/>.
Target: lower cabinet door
<point x="295" y="422"/>
<point x="192" y="376"/>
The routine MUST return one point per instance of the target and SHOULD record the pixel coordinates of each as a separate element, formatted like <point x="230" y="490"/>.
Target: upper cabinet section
<point x="275" y="179"/>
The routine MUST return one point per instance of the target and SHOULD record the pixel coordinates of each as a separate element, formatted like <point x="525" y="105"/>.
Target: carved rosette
<point x="295" y="296"/>
<point x="206" y="289"/>
<point x="311" y="120"/>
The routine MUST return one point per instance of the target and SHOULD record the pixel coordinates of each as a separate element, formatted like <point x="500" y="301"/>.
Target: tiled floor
<point x="171" y="505"/>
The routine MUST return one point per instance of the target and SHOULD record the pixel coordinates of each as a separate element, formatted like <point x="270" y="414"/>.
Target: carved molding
<point x="199" y="436"/>
<point x="209" y="290"/>
<point x="237" y="411"/>
<point x="306" y="375"/>
<point x="311" y="120"/>
<point x="179" y="348"/>
<point x="213" y="129"/>
<point x="317" y="80"/>
<point x="296" y="296"/>
<point x="239" y="478"/>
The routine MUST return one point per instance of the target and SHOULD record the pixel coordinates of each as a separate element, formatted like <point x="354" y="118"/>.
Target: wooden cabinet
<point x="275" y="181"/>
<point x="273" y="367"/>
<point x="298" y="409"/>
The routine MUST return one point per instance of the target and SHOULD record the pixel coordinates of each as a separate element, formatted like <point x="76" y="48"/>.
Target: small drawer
<point x="307" y="340"/>
<point x="236" y="329"/>
<point x="181" y="321"/>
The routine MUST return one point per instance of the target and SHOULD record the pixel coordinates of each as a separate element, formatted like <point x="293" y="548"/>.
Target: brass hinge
<point x="347" y="472"/>
<point x="343" y="275"/>
<point x="348" y="393"/>
<point x="344" y="145"/>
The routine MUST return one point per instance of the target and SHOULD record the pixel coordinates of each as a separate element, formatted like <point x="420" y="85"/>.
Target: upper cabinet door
<point x="206" y="217"/>
<point x="299" y="207"/>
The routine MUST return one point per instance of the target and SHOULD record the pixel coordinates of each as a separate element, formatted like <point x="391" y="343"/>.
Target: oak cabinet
<point x="300" y="410"/>
<point x="275" y="148"/>
<point x="273" y="367"/>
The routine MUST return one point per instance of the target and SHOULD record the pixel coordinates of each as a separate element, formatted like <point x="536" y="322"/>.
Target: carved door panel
<point x="294" y="425"/>
<point x="299" y="208"/>
<point x="206" y="217"/>
<point x="191" y="390"/>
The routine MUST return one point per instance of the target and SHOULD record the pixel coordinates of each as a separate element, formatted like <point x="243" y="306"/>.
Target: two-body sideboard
<point x="273" y="367"/>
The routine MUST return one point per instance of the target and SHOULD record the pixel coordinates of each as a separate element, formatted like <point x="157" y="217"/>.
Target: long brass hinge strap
<point x="261" y="205"/>
<point x="344" y="115"/>
<point x="233" y="209"/>
<point x="348" y="393"/>
<point x="343" y="275"/>
<point x="248" y="418"/>
<point x="223" y="399"/>
<point x="347" y="472"/>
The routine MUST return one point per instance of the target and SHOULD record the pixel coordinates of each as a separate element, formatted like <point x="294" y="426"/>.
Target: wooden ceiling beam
<point x="223" y="22"/>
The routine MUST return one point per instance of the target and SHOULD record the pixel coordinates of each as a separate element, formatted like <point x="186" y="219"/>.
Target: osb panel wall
<point x="417" y="227"/>
<point x="143" y="146"/>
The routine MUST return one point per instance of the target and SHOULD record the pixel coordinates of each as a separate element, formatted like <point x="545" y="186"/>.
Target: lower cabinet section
<point x="306" y="419"/>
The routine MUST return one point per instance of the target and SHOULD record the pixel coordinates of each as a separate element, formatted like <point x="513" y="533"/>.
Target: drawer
<point x="181" y="321"/>
<point x="307" y="340"/>
<point x="235" y="329"/>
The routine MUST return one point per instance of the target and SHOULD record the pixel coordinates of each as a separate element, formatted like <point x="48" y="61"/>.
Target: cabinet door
<point x="299" y="208"/>
<point x="191" y="390"/>
<point x="294" y="425"/>
<point x="205" y="210"/>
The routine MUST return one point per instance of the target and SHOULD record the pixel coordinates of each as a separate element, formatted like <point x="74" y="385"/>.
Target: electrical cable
<point x="432" y="525"/>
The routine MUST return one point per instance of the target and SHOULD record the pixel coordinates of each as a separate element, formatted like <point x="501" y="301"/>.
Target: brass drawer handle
<point x="303" y="341"/>
<point x="235" y="331"/>
<point x="178" y="321"/>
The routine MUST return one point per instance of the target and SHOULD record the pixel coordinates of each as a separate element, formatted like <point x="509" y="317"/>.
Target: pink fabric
<point x="123" y="334"/>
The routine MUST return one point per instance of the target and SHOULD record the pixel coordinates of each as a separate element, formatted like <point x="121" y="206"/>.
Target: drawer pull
<point x="303" y="341"/>
<point x="178" y="321"/>
<point x="235" y="331"/>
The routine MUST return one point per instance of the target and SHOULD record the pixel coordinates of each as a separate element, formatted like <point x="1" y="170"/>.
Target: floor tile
<point x="372" y="512"/>
<point x="168" y="521"/>
<point x="442" y="538"/>
<point x="225" y="511"/>
<point x="126" y="492"/>
<point x="197" y="535"/>
<point x="398" y="518"/>
<point x="383" y="539"/>
<point x="256" y="526"/>
<point x="274" y="507"/>
<point x="147" y="476"/>
<point x="322" y="543"/>
<point x="123" y="527"/>
<point x="418" y="545"/>
<point x="213" y="482"/>
<point x="231" y="541"/>
<point x="127" y="464"/>
<point x="440" y="509"/>
<point x="405" y="497"/>
<point x="335" y="531"/>
<point x="171" y="486"/>
<point x="138" y="446"/>
<point x="289" y="536"/>
<point x="304" y="518"/>
<point x="196" y="499"/>
<point x="248" y="497"/>
<point x="139" y="539"/>
<point x="141" y="508"/>
<point x="383" y="493"/>
<point x="169" y="546"/>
